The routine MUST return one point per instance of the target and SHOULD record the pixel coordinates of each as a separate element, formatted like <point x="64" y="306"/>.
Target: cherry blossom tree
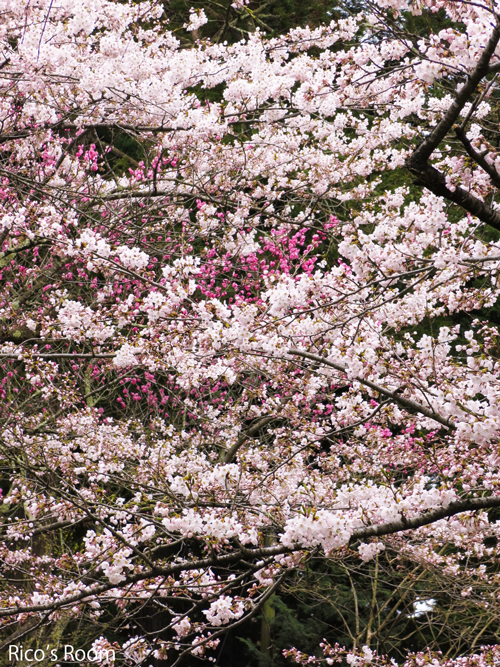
<point x="248" y="314"/>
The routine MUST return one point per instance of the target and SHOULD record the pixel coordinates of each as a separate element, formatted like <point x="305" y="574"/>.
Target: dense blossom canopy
<point x="244" y="312"/>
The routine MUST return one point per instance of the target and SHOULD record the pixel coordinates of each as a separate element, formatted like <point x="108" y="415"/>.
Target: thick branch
<point x="55" y="526"/>
<point x="477" y="157"/>
<point x="494" y="69"/>
<point x="458" y="507"/>
<point x="434" y="180"/>
<point x="429" y="176"/>
<point x="244" y="555"/>
<point x="91" y="592"/>
<point x="406" y="403"/>
<point x="243" y="437"/>
<point x="432" y="141"/>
